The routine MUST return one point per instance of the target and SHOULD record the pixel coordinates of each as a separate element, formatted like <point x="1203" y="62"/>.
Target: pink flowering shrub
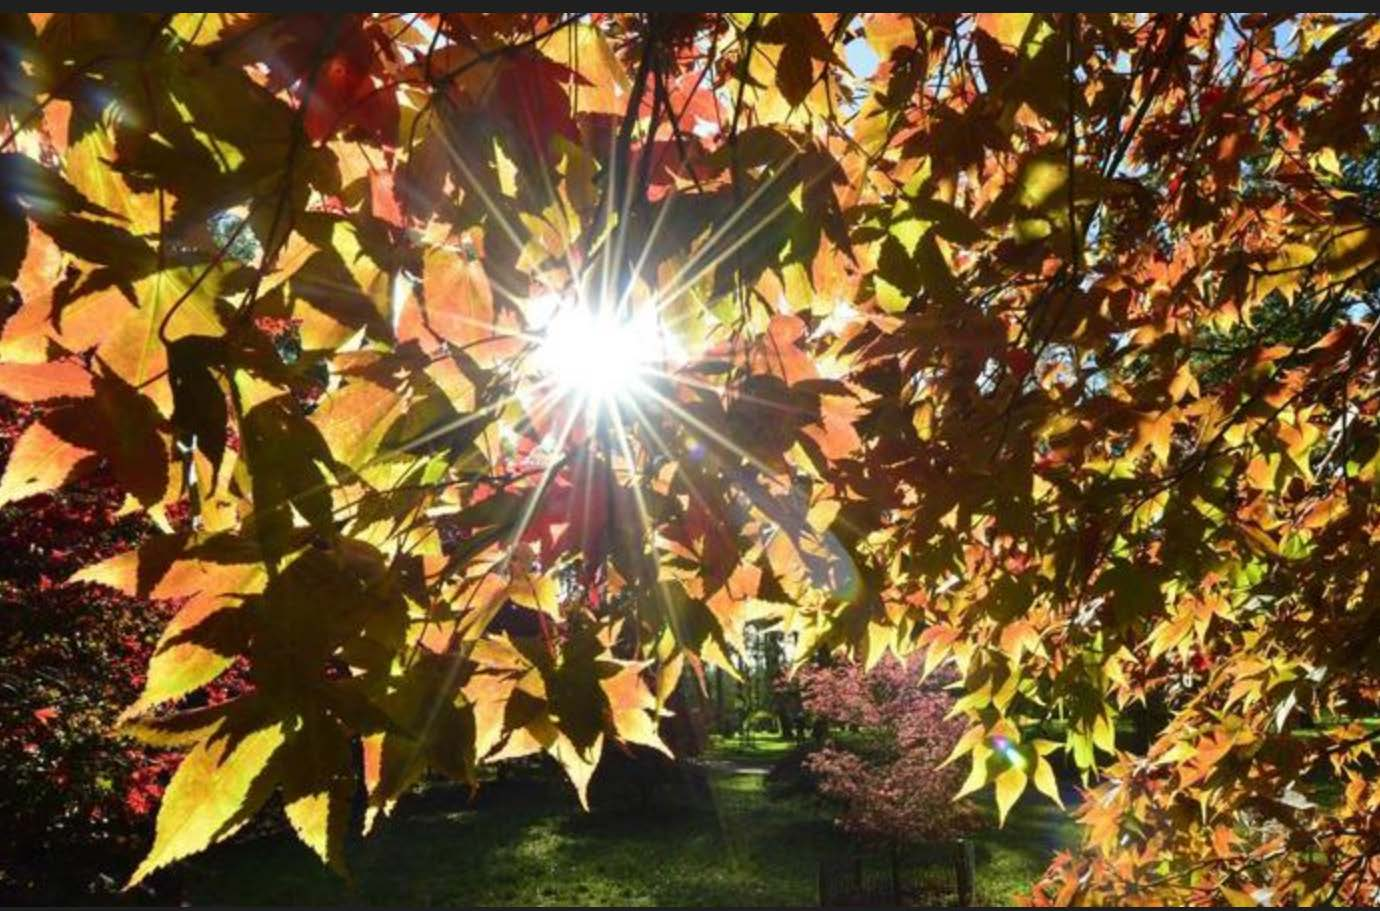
<point x="887" y="734"/>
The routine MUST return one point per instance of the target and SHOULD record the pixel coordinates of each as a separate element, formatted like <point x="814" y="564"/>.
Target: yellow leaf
<point x="1045" y="781"/>
<point x="633" y="708"/>
<point x="507" y="172"/>
<point x="1155" y="431"/>
<point x="540" y="593"/>
<point x="133" y="346"/>
<point x="1007" y="28"/>
<point x="1104" y="734"/>
<point x="889" y="297"/>
<point x="1285" y="271"/>
<point x="318" y="788"/>
<point x="1184" y="382"/>
<point x="480" y="601"/>
<point x="977" y="775"/>
<point x="1326" y="160"/>
<point x="667" y="677"/>
<point x="458" y="304"/>
<point x="973" y="701"/>
<point x="1007" y="691"/>
<point x="968" y="741"/>
<point x="1019" y="637"/>
<point x="879" y="641"/>
<point x="923" y="419"/>
<point x="217" y="787"/>
<point x="355" y="418"/>
<point x="579" y="766"/>
<point x="1238" y="898"/>
<point x="181" y="661"/>
<point x="908" y="232"/>
<point x="1009" y="786"/>
<point x="582" y="47"/>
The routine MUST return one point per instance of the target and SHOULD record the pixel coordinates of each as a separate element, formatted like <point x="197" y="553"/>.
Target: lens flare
<point x="598" y="355"/>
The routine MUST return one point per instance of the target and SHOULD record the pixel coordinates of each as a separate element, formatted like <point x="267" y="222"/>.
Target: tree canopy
<point x="486" y="373"/>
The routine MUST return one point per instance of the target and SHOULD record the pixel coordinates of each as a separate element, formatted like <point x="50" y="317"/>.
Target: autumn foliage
<point x="74" y="656"/>
<point x="884" y="761"/>
<point x="1042" y="347"/>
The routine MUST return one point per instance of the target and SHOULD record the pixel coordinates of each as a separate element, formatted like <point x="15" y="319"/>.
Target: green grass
<point x="529" y="844"/>
<point x="763" y="748"/>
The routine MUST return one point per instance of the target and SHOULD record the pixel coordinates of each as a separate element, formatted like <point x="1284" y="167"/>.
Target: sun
<point x="599" y="354"/>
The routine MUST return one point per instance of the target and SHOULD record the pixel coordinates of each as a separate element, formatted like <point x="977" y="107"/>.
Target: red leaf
<point x="342" y="94"/>
<point x="1020" y="361"/>
<point x="575" y="513"/>
<point x="530" y="91"/>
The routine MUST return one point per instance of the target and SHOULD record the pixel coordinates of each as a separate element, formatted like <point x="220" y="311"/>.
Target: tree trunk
<point x="896" y="874"/>
<point x="964" y="864"/>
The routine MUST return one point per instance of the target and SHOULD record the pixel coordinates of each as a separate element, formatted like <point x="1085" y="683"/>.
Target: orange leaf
<point x="41" y="461"/>
<point x="41" y="382"/>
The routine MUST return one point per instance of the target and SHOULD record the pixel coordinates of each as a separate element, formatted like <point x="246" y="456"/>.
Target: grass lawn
<point x="762" y="748"/>
<point x="528" y="843"/>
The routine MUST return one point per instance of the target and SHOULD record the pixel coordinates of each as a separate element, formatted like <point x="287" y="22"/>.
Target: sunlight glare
<point x="596" y="354"/>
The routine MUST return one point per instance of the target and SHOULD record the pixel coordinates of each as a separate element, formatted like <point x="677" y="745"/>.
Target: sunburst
<point x="600" y="354"/>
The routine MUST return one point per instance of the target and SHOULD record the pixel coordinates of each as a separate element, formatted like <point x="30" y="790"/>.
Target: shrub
<point x="887" y="735"/>
<point x="77" y="803"/>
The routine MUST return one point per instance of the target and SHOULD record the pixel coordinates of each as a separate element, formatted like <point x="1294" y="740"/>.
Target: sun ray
<point x="558" y="203"/>
<point x="603" y="247"/>
<point x="679" y="285"/>
<point x="661" y="444"/>
<point x="530" y="507"/>
<point x="644" y="516"/>
<point x="652" y="235"/>
<point x="722" y="230"/>
<point x="695" y="383"/>
<point x="620" y="236"/>
<point x="710" y="432"/>
<point x="483" y="194"/>
<point x="439" y="431"/>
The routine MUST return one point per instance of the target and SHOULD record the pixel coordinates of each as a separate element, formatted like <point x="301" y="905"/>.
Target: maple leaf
<point x="530" y="91"/>
<point x="1063" y="377"/>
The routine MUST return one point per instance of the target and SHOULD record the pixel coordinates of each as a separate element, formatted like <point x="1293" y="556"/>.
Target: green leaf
<point x="950" y="222"/>
<point x="935" y="274"/>
<point x="1040" y="181"/>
